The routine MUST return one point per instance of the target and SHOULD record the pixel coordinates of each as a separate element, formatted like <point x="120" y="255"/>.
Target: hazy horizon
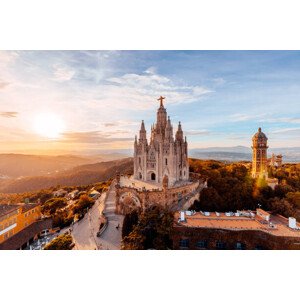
<point x="89" y="101"/>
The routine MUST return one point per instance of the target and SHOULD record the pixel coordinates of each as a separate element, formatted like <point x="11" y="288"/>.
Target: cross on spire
<point x="161" y="98"/>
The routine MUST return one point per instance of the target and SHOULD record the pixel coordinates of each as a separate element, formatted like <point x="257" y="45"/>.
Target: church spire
<point x="179" y="133"/>
<point x="143" y="126"/>
<point x="161" y="117"/>
<point x="143" y="136"/>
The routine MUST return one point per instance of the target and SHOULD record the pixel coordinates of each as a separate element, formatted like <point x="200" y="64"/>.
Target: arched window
<point x="153" y="176"/>
<point x="166" y="161"/>
<point x="140" y="176"/>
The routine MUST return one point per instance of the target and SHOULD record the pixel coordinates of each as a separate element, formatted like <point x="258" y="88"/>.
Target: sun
<point x="48" y="125"/>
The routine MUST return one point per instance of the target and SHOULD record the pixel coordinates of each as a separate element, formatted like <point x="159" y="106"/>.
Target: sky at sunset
<point x="85" y="101"/>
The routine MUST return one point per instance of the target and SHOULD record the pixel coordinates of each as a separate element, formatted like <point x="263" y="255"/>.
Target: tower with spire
<point x="164" y="156"/>
<point x="259" y="155"/>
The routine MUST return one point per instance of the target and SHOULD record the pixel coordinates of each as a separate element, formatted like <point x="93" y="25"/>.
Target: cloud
<point x="139" y="91"/>
<point x="219" y="81"/>
<point x="3" y="84"/>
<point x="7" y="57"/>
<point x="197" y="132"/>
<point x="110" y="124"/>
<point x="151" y="70"/>
<point x="246" y="117"/>
<point x="292" y="120"/>
<point x="63" y="73"/>
<point x="287" y="131"/>
<point x="92" y="137"/>
<point x="8" y="114"/>
<point x="121" y="123"/>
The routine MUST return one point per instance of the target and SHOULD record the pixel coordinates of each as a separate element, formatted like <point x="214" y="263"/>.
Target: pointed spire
<point x="143" y="126"/>
<point x="179" y="126"/>
<point x="143" y="134"/>
<point x="179" y="133"/>
<point x="168" y="123"/>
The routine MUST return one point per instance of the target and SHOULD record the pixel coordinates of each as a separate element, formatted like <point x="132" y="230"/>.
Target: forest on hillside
<point x="231" y="188"/>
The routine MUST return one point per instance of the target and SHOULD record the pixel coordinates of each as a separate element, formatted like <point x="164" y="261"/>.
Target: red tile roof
<point x="239" y="223"/>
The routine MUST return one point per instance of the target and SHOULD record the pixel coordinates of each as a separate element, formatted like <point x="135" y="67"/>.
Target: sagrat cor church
<point x="163" y="156"/>
<point x="161" y="170"/>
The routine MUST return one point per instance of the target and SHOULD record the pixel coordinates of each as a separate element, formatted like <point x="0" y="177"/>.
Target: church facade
<point x="163" y="157"/>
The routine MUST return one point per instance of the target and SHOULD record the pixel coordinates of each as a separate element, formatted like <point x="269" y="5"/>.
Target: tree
<point x="83" y="203"/>
<point x="62" y="242"/>
<point x="153" y="231"/>
<point x="282" y="207"/>
<point x="293" y="198"/>
<point x="62" y="219"/>
<point x="54" y="204"/>
<point x="130" y="220"/>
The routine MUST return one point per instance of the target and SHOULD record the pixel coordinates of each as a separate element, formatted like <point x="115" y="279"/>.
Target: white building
<point x="163" y="154"/>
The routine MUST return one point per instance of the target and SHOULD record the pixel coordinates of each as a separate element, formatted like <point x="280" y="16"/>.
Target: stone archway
<point x="129" y="201"/>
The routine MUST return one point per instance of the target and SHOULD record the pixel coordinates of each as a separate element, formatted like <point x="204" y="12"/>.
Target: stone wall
<point x="128" y="198"/>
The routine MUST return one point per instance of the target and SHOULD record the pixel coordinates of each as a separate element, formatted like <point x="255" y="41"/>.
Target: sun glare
<point x="48" y="125"/>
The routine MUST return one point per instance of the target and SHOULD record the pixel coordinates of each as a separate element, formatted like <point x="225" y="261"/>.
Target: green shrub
<point x="62" y="242"/>
<point x="52" y="205"/>
<point x="82" y="204"/>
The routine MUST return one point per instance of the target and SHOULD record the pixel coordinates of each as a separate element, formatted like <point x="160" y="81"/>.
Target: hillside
<point x="16" y="165"/>
<point x="80" y="175"/>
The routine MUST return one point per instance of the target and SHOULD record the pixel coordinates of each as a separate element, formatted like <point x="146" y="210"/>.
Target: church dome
<point x="260" y="135"/>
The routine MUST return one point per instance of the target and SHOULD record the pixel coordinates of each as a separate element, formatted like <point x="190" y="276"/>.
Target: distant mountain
<point x="239" y="153"/>
<point x="80" y="175"/>
<point x="21" y="165"/>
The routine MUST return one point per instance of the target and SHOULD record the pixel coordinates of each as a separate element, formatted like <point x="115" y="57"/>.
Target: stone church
<point x="163" y="156"/>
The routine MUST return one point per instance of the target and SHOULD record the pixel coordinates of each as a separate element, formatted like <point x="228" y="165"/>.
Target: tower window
<point x="139" y="160"/>
<point x="166" y="161"/>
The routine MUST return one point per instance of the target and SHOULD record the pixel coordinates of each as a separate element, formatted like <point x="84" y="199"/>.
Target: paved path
<point x="111" y="237"/>
<point x="84" y="232"/>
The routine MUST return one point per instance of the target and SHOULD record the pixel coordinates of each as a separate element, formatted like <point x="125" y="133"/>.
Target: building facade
<point x="14" y="218"/>
<point x="259" y="155"/>
<point x="164" y="154"/>
<point x="243" y="230"/>
<point x="275" y="161"/>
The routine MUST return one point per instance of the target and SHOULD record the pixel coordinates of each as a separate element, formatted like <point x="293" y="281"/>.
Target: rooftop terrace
<point x="243" y="220"/>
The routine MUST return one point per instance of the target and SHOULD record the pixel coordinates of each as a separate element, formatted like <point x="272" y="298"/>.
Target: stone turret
<point x="259" y="155"/>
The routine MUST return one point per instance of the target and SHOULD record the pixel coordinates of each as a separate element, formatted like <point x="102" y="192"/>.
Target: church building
<point x="163" y="156"/>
